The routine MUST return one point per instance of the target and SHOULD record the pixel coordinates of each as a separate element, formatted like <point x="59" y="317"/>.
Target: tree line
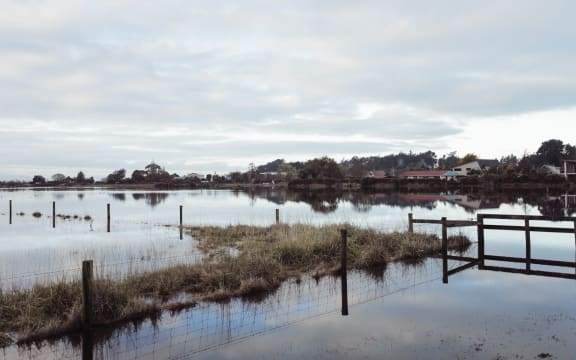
<point x="551" y="152"/>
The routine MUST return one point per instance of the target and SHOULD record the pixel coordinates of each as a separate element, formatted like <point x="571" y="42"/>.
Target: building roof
<point x="488" y="163"/>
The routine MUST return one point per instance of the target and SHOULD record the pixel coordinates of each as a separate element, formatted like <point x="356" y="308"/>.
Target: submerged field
<point x="239" y="261"/>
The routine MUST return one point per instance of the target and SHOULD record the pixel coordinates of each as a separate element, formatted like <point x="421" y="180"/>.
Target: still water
<point x="402" y="311"/>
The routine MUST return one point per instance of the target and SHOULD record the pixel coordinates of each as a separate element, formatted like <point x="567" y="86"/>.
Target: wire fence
<point x="206" y="326"/>
<point x="182" y="334"/>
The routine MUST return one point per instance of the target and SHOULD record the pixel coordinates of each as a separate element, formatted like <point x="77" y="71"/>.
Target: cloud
<point x="188" y="77"/>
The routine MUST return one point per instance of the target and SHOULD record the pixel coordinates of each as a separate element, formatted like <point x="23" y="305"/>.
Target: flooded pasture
<point x="400" y="311"/>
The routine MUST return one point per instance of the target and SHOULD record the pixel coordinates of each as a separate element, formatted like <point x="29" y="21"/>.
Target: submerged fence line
<point x="209" y="326"/>
<point x="109" y="216"/>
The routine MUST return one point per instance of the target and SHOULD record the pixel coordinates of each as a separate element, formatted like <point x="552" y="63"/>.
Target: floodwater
<point x="400" y="312"/>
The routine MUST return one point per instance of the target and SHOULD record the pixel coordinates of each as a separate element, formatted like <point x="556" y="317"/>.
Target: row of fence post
<point x="108" y="216"/>
<point x="54" y="214"/>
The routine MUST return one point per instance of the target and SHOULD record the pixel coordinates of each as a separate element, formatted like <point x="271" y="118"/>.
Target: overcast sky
<point x="205" y="86"/>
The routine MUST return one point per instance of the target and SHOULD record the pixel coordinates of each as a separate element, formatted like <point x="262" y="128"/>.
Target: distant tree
<point x="448" y="161"/>
<point x="570" y="152"/>
<point x="271" y="166"/>
<point x="138" y="176"/>
<point x="236" y="177"/>
<point x="508" y="161"/>
<point x="357" y="167"/>
<point x="116" y="177"/>
<point x="209" y="177"/>
<point x="153" y="169"/>
<point x="551" y="152"/>
<point x="80" y="178"/>
<point x="38" y="180"/>
<point x="58" y="178"/>
<point x="468" y="158"/>
<point x="321" y="168"/>
<point x="287" y="171"/>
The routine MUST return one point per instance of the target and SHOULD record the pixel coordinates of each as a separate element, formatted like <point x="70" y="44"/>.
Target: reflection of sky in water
<point x="140" y="241"/>
<point x="408" y="313"/>
<point x="479" y="314"/>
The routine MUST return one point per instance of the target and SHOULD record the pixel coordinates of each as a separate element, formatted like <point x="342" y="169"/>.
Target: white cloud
<point x="230" y="82"/>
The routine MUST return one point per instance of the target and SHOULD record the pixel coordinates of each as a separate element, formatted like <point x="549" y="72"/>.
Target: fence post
<point x="344" y="270"/>
<point x="410" y="223"/>
<point x="181" y="224"/>
<point x="480" y="219"/>
<point x="53" y="214"/>
<point x="277" y="216"/>
<point x="108" y="218"/>
<point x="10" y="216"/>
<point x="87" y="345"/>
<point x="528" y="245"/>
<point x="444" y="251"/>
<point x="87" y="278"/>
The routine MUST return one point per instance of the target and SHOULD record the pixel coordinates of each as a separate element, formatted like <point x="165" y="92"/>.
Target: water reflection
<point x="119" y="196"/>
<point x="408" y="314"/>
<point x="362" y="202"/>
<point x="152" y="199"/>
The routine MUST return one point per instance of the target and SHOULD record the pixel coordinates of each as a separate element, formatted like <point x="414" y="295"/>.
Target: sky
<point x="212" y="86"/>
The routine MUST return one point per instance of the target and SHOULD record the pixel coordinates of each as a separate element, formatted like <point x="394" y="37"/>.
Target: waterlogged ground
<point x="140" y="240"/>
<point x="407" y="313"/>
<point x="403" y="312"/>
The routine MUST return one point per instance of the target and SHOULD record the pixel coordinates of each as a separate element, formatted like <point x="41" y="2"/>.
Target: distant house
<point x="377" y="174"/>
<point x="428" y="174"/>
<point x="569" y="168"/>
<point x="476" y="165"/>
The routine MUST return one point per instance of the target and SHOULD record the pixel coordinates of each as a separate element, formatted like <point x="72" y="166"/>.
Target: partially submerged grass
<point x="241" y="261"/>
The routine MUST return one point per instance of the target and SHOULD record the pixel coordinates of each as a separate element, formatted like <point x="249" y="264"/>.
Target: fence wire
<point x="206" y="326"/>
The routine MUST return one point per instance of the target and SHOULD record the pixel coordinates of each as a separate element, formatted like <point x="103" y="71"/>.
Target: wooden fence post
<point x="344" y="270"/>
<point x="181" y="224"/>
<point x="108" y="218"/>
<point x="87" y="345"/>
<point x="53" y="214"/>
<point x="277" y="216"/>
<point x="480" y="219"/>
<point x="410" y="224"/>
<point x="528" y="245"/>
<point x="10" y="216"/>
<point x="444" y="251"/>
<point x="87" y="279"/>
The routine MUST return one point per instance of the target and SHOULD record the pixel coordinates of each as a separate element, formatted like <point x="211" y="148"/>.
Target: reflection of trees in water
<point x="556" y="207"/>
<point x="119" y="196"/>
<point x="323" y="201"/>
<point x="327" y="201"/>
<point x="151" y="199"/>
<point x="553" y="208"/>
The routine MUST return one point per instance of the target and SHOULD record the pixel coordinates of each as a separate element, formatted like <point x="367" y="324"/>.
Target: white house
<point x="476" y="165"/>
